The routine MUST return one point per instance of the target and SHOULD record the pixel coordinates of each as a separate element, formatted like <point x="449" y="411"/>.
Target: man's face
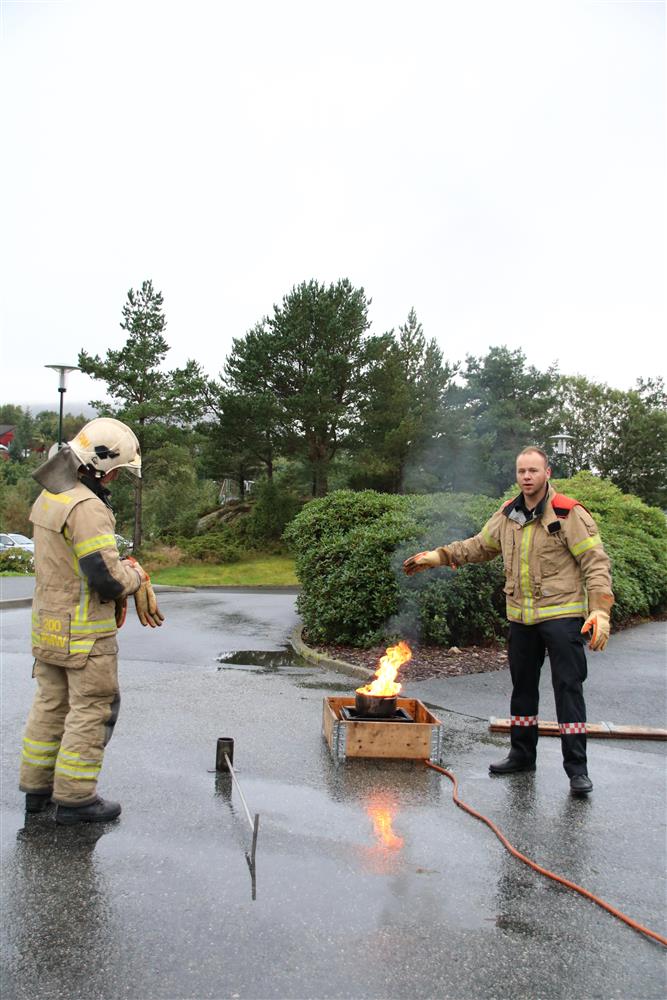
<point x="532" y="474"/>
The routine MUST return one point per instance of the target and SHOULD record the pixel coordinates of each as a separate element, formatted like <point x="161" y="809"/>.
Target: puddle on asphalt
<point x="283" y="661"/>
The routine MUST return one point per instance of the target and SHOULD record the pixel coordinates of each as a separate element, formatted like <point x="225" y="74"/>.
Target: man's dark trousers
<point x="562" y="639"/>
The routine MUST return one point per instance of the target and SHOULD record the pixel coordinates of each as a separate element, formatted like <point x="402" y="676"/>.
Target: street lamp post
<point x="562" y="448"/>
<point x="63" y="372"/>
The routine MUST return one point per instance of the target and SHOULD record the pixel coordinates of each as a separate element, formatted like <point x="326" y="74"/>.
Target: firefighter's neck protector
<point x="59" y="473"/>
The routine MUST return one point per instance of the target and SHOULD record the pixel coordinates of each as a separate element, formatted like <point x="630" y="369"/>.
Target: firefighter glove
<point x="145" y="600"/>
<point x="121" y="611"/>
<point x="426" y="560"/>
<point x="597" y="623"/>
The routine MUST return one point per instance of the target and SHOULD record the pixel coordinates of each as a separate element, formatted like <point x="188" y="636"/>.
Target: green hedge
<point x="349" y="548"/>
<point x="217" y="546"/>
<point x="15" y="560"/>
<point x="635" y="536"/>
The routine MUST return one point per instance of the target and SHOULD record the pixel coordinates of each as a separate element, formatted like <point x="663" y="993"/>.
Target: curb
<point x="26" y="602"/>
<point x="251" y="588"/>
<point x="166" y="588"/>
<point x="322" y="660"/>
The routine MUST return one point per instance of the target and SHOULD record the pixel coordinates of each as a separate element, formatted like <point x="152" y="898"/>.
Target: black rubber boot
<point x="580" y="784"/>
<point x="510" y="765"/>
<point x="37" y="802"/>
<point x="99" y="811"/>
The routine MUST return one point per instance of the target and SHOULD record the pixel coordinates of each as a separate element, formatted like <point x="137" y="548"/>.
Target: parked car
<point x="22" y="541"/>
<point x="5" y="541"/>
<point x="124" y="545"/>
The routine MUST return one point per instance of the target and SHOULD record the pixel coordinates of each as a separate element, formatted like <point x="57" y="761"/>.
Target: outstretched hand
<point x="427" y="560"/>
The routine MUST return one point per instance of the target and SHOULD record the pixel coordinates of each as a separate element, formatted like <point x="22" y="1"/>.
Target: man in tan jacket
<point x="81" y="589"/>
<point x="556" y="575"/>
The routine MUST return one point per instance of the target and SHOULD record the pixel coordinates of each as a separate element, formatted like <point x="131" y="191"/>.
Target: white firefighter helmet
<point x="105" y="444"/>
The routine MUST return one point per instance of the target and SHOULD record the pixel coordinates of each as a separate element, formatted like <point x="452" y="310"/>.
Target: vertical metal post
<point x="61" y="390"/>
<point x="63" y="371"/>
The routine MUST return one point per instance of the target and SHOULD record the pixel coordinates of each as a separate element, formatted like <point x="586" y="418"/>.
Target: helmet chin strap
<point x="89" y="478"/>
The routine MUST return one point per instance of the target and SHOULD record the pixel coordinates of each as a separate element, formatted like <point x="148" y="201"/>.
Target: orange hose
<point x="538" y="868"/>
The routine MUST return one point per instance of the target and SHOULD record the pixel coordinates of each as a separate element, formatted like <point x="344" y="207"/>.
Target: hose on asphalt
<point x="538" y="868"/>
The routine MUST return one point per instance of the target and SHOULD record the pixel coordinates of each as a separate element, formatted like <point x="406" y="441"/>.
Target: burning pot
<point x="377" y="706"/>
<point x="379" y="698"/>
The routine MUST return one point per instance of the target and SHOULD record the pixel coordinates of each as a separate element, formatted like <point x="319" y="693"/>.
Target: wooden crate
<point x="418" y="740"/>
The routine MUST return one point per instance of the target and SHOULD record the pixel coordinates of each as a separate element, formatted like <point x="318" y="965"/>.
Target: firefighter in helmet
<point x="81" y="591"/>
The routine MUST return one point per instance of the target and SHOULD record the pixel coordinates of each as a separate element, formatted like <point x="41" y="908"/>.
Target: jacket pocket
<point x="100" y="674"/>
<point x="553" y="557"/>
<point x="51" y="631"/>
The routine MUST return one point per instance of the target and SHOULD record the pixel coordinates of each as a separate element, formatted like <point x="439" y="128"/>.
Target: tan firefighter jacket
<point x="555" y="565"/>
<point x="79" y="575"/>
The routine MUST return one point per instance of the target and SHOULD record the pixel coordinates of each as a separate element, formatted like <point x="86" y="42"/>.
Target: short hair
<point x="540" y="451"/>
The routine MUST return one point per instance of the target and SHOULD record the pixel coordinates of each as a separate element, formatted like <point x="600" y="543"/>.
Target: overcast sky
<point x="499" y="165"/>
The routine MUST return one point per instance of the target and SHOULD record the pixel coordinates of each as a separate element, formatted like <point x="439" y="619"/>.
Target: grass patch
<point x="257" y="571"/>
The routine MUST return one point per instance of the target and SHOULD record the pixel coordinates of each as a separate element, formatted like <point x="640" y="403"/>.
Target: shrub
<point x="349" y="548"/>
<point x="214" y="547"/>
<point x="274" y="507"/>
<point x="16" y="561"/>
<point x="156" y="556"/>
<point x="634" y="536"/>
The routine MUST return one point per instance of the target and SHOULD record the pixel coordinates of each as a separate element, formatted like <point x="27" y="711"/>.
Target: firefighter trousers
<point x="70" y="723"/>
<point x="561" y="638"/>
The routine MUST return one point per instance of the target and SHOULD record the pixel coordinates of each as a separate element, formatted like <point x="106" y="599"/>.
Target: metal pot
<point x="378" y="706"/>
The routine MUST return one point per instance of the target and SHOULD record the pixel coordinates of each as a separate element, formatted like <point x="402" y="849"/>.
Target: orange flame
<point x="384" y="685"/>
<point x="382" y="817"/>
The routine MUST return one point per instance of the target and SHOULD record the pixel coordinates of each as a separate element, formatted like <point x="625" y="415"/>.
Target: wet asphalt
<point x="369" y="882"/>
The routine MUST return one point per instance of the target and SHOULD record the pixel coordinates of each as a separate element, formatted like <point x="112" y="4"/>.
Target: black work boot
<point x="580" y="784"/>
<point x="509" y="765"/>
<point x="37" y="802"/>
<point x="98" y="811"/>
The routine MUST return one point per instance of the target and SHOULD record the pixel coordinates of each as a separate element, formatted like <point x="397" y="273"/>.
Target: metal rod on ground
<point x="254" y="824"/>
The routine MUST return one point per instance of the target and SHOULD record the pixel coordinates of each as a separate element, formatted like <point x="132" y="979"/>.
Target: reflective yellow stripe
<point x="526" y="592"/>
<point x="77" y="774"/>
<point x="553" y="610"/>
<point x="87" y="628"/>
<point x="81" y="610"/>
<point x="529" y="613"/>
<point x="37" y="761"/>
<point x="94" y="545"/>
<point x="39" y="753"/>
<point x="489" y="539"/>
<point x="588" y="543"/>
<point x="81" y="645"/>
<point x="58" y="497"/>
<point x="39" y="743"/>
<point x="70" y="763"/>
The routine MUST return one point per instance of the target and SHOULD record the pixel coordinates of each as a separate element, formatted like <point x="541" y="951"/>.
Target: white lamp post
<point x="562" y="448"/>
<point x="63" y="372"/>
